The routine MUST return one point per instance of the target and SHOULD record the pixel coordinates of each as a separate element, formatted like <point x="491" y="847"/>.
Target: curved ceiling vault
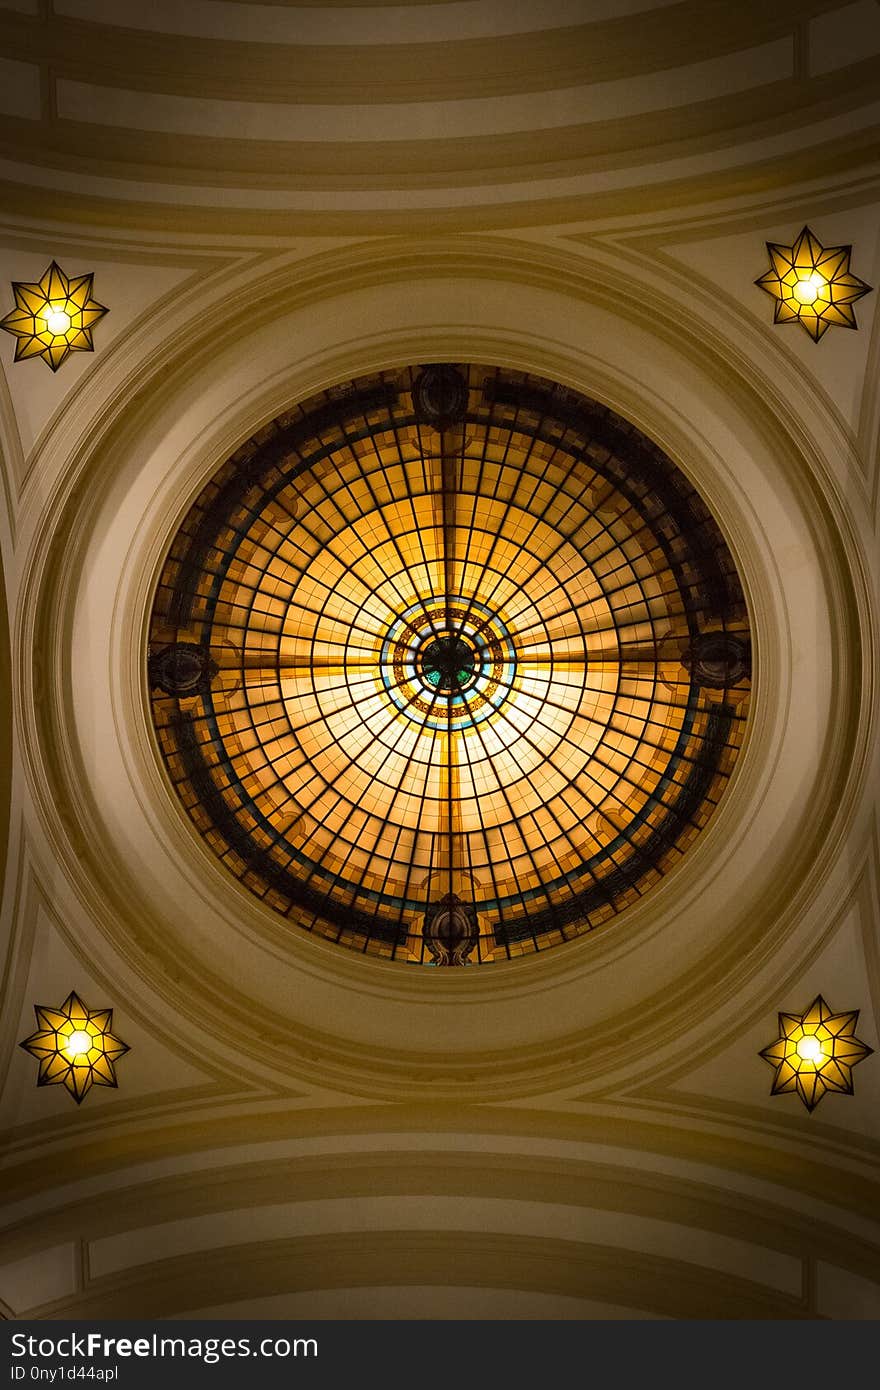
<point x="441" y="555"/>
<point x="484" y="113"/>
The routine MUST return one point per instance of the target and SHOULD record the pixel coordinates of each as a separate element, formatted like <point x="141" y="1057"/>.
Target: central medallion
<point x="449" y="663"/>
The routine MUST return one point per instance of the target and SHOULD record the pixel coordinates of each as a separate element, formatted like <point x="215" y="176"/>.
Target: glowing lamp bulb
<point x="806" y="290"/>
<point x="809" y="1049"/>
<point x="57" y="321"/>
<point x="78" y="1043"/>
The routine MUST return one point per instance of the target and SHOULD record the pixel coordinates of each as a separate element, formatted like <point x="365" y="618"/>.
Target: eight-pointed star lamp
<point x="75" y="1046"/>
<point x="815" y="1052"/>
<point x="812" y="284"/>
<point x="53" y="316"/>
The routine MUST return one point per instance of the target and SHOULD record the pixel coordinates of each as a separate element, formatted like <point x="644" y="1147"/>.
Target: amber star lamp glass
<point x="53" y="317"/>
<point x="75" y="1047"/>
<point x="812" y="285"/>
<point x="815" y="1052"/>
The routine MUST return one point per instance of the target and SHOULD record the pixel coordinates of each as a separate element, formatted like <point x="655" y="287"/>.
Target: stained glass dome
<point x="449" y="664"/>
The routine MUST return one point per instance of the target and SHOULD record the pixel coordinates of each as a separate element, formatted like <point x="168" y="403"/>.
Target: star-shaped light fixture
<point x="812" y="284"/>
<point x="75" y="1047"/>
<point x="53" y="317"/>
<point x="815" y="1052"/>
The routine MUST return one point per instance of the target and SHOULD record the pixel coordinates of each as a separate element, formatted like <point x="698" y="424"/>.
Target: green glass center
<point x="448" y="663"/>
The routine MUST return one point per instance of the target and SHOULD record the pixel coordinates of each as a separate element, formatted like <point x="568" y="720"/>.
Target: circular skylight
<point x="449" y="664"/>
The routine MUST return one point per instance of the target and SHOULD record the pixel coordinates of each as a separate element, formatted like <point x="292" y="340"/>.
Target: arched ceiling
<point x="240" y="117"/>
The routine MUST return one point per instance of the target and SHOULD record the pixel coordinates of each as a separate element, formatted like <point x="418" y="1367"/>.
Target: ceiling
<point x="277" y="199"/>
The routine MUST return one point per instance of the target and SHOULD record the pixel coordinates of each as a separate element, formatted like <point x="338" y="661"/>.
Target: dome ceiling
<point x="298" y="1130"/>
<point x="449" y="664"/>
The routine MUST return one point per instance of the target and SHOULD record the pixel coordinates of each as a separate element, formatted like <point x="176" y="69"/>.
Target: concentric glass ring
<point x="449" y="672"/>
<point x="429" y="689"/>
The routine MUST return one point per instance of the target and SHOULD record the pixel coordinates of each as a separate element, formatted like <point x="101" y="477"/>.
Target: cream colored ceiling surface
<point x="476" y="113"/>
<point x="275" y="199"/>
